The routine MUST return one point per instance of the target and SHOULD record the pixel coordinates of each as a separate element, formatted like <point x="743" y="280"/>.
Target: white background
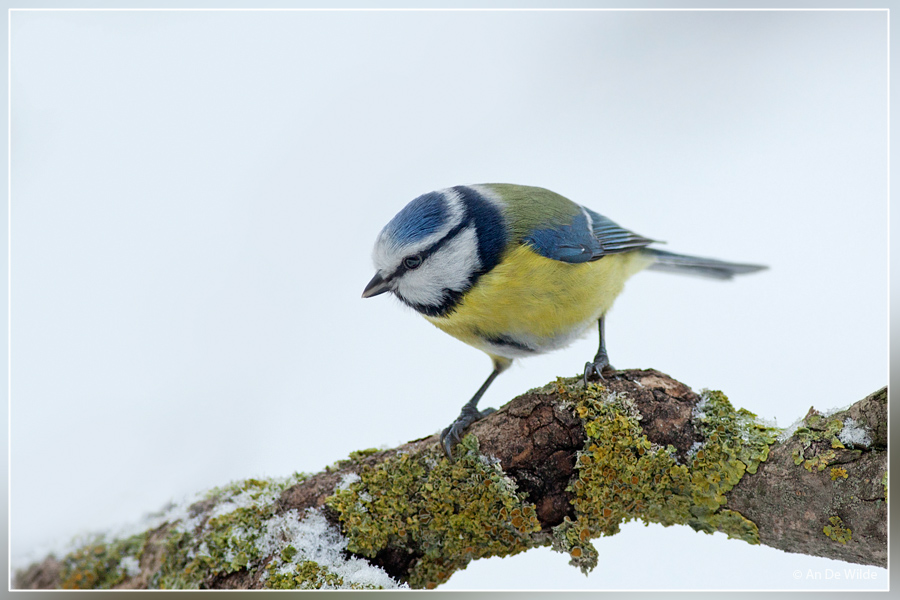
<point x="195" y="196"/>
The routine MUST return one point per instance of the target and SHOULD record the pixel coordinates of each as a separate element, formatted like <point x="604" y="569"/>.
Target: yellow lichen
<point x="819" y="461"/>
<point x="98" y="565"/>
<point x="836" y="530"/>
<point x="622" y="476"/>
<point x="817" y="442"/>
<point x="838" y="473"/>
<point x="307" y="575"/>
<point x="447" y="513"/>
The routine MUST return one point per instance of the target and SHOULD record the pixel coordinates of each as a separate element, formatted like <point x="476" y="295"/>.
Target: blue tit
<point x="515" y="271"/>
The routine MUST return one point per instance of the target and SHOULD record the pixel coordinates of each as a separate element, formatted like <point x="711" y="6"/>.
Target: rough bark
<point x="791" y="506"/>
<point x="809" y="495"/>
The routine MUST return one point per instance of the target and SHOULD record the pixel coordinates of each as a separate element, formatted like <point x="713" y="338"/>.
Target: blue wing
<point x="613" y="237"/>
<point x="589" y="236"/>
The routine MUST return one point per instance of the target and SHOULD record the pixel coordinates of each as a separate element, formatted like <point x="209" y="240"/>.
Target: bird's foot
<point x="454" y="433"/>
<point x="598" y="370"/>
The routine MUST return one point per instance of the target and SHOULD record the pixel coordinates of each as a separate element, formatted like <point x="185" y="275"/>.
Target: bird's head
<point x="434" y="249"/>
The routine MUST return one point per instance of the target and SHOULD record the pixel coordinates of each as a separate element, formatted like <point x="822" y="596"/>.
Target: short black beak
<point x="377" y="286"/>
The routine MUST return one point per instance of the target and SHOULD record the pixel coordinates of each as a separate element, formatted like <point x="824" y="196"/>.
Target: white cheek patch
<point x="448" y="268"/>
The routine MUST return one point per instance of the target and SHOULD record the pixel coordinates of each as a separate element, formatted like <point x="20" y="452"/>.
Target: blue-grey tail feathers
<point x="696" y="265"/>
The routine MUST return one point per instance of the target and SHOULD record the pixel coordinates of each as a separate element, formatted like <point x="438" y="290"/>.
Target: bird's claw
<point x="453" y="434"/>
<point x="599" y="370"/>
<point x="590" y="371"/>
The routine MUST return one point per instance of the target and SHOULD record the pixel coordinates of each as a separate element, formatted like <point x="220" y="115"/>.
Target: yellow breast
<point x="539" y="302"/>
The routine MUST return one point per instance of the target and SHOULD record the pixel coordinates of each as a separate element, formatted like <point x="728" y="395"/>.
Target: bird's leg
<point x="468" y="415"/>
<point x="601" y="365"/>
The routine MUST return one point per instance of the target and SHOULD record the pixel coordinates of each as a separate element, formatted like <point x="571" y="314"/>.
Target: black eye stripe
<point x="434" y="247"/>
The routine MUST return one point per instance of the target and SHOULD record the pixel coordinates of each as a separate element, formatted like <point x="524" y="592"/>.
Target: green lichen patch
<point x="836" y="530"/>
<point x="817" y="462"/>
<point x="308" y="575"/>
<point x="354" y="458"/>
<point x="227" y="545"/>
<point x="446" y="513"/>
<point x="222" y="537"/>
<point x="219" y="536"/>
<point x="623" y="476"/>
<point x="101" y="564"/>
<point x="819" y="442"/>
<point x="240" y="527"/>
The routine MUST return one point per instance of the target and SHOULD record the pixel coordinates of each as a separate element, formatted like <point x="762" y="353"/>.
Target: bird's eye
<point x="412" y="262"/>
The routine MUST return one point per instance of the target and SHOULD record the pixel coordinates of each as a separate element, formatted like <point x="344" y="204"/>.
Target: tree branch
<point x="557" y="466"/>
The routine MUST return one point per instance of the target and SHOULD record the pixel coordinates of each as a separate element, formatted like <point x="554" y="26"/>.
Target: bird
<point x="516" y="271"/>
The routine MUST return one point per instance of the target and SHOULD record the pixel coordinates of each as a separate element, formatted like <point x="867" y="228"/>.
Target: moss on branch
<point x="559" y="466"/>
